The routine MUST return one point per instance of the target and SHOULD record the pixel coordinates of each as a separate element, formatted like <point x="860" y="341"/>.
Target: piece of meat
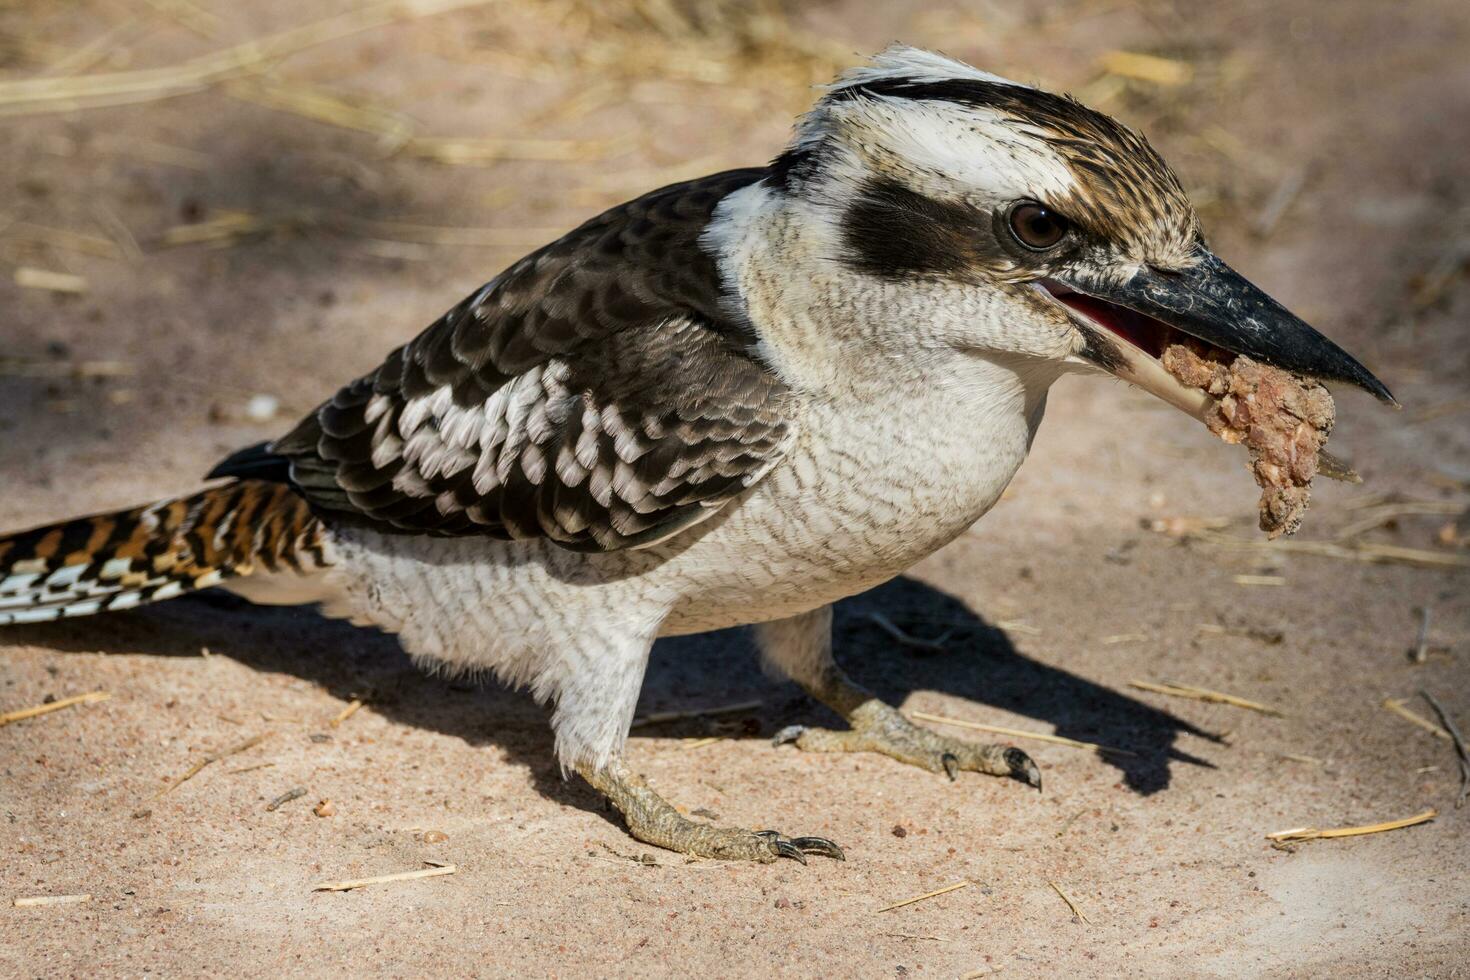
<point x="1283" y="419"/>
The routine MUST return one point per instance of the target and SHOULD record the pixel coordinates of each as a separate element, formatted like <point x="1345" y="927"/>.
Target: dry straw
<point x="1311" y="833"/>
<point x="1204" y="694"/>
<point x="433" y="871"/>
<point x="32" y="95"/>
<point x="92" y="697"/>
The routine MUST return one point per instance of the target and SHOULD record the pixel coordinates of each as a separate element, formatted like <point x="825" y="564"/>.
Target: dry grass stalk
<point x="1204" y="694"/>
<point x="225" y="228"/>
<point x="490" y="150"/>
<point x="1310" y="760"/>
<point x="1363" y="551"/>
<point x="31" y="95"/>
<point x="28" y="277"/>
<point x="433" y="871"/>
<point x="904" y="639"/>
<point x="347" y="712"/>
<point x="1258" y="580"/>
<point x="1459" y="743"/>
<point x="659" y="717"/>
<point x="1077" y="912"/>
<point x="198" y="767"/>
<point x="1381" y="514"/>
<point x="91" y="697"/>
<point x="392" y="129"/>
<point x="294" y="793"/>
<point x="191" y="16"/>
<point x="1146" y="68"/>
<point x="30" y="48"/>
<point x="1281" y="199"/>
<point x="63" y="240"/>
<point x="1311" y="833"/>
<point x="1017" y="626"/>
<point x="95" y="51"/>
<point x="37" y="900"/>
<point x="118" y="231"/>
<point x="699" y="743"/>
<point x="924" y="897"/>
<point x="1015" y="732"/>
<point x="1396" y="705"/>
<point x="1117" y="638"/>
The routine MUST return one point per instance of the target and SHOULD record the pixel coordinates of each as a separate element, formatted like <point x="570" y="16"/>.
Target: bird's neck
<point x="838" y="335"/>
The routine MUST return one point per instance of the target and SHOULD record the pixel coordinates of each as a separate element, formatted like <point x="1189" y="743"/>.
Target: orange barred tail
<point x="130" y="557"/>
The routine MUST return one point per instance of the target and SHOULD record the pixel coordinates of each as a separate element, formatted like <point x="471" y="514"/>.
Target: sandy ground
<point x="1051" y="605"/>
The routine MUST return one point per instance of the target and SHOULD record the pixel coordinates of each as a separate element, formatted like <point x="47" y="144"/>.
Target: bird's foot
<point x="877" y="727"/>
<point x="654" y="820"/>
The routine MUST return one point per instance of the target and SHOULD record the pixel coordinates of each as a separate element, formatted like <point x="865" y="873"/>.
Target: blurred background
<point x="213" y="214"/>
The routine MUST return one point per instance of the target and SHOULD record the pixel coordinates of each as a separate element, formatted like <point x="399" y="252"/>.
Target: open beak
<point x="1130" y="325"/>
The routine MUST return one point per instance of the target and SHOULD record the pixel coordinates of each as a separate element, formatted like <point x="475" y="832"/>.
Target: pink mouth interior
<point x="1144" y="332"/>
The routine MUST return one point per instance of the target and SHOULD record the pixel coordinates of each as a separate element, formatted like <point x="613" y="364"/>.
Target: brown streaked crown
<point x="1125" y="192"/>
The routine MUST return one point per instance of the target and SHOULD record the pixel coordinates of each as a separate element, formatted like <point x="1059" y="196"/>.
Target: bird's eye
<point x="1037" y="227"/>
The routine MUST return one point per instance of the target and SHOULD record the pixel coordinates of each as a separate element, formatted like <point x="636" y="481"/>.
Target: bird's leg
<point x="654" y="820"/>
<point x="801" y="647"/>
<point x="594" y="709"/>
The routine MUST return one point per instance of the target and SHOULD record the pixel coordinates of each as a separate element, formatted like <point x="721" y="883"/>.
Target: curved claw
<point x="797" y="848"/>
<point x="1023" y="768"/>
<point x="787" y="735"/>
<point x="785" y="848"/>
<point x="789" y="850"/>
<point x="820" y="845"/>
<point x="951" y="765"/>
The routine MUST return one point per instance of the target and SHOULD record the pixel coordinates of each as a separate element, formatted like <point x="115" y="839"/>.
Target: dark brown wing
<point x="596" y="393"/>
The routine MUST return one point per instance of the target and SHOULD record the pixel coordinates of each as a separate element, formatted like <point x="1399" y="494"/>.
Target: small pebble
<point x="326" y="808"/>
<point x="435" y="837"/>
<point x="900" y="831"/>
<point x="262" y="408"/>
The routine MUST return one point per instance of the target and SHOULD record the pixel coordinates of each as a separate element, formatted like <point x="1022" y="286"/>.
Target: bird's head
<point x="1028" y="225"/>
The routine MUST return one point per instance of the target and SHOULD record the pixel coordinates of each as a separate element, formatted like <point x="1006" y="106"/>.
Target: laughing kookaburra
<point x="730" y="401"/>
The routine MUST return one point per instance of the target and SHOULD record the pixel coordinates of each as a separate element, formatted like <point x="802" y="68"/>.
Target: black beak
<point x="1216" y="304"/>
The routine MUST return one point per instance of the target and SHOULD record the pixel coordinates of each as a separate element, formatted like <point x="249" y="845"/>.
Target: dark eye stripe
<point x="894" y="232"/>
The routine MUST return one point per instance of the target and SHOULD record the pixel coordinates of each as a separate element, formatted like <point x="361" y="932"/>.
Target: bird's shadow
<point x="977" y="662"/>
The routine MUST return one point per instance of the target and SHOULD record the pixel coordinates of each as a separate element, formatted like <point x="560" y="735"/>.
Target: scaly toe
<point x="788" y="735"/>
<point x="1023" y="768"/>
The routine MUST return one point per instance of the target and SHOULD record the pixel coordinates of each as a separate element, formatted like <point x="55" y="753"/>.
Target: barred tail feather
<point x="131" y="557"/>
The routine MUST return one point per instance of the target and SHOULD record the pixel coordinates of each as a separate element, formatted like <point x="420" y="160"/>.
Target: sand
<point x="1053" y="603"/>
